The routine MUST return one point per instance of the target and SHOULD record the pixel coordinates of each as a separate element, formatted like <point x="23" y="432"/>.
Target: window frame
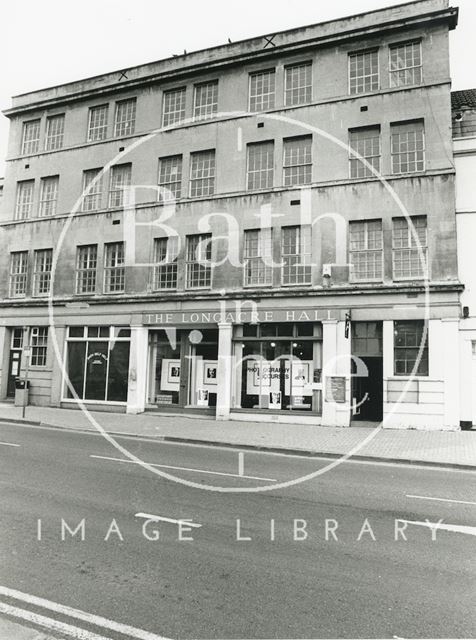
<point x="262" y="72"/>
<point x="116" y="270"/>
<point x="356" y="162"/>
<point x="202" y="238"/>
<point x="113" y="193"/>
<point x="251" y="174"/>
<point x="46" y="256"/>
<point x="291" y="67"/>
<point x="47" y="206"/>
<point x="39" y="347"/>
<point x="35" y="142"/>
<point x="81" y="272"/>
<point x="304" y="165"/>
<point x="22" y="276"/>
<point x="410" y="247"/>
<point x="265" y="250"/>
<point x="300" y="252"/>
<point x="366" y="250"/>
<point x="393" y="72"/>
<point x="363" y="52"/>
<point x="214" y="105"/>
<point x="104" y="128"/>
<point x="399" y="154"/>
<point x="425" y="359"/>
<point x="25" y="214"/>
<point x="194" y="181"/>
<point x="56" y="138"/>
<point x="167" y="266"/>
<point x="130" y="122"/>
<point x="95" y="192"/>
<point x="166" y="114"/>
<point x="165" y="184"/>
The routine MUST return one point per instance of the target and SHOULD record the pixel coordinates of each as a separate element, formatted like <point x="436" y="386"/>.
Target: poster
<point x="265" y="377"/>
<point x="170" y="375"/>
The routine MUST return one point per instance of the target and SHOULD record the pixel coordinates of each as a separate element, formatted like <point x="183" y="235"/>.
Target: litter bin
<point x="22" y="388"/>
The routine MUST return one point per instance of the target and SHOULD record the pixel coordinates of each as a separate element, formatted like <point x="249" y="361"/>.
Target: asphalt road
<point x="275" y="584"/>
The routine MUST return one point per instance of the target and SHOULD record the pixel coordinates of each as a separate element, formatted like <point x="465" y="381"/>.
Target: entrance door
<point x="16" y="347"/>
<point x="367" y="370"/>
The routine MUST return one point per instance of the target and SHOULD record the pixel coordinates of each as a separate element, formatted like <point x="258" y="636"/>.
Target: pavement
<point x="259" y="563"/>
<point x="451" y="448"/>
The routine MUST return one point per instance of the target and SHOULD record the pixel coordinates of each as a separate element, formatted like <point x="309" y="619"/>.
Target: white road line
<point x="168" y="466"/>
<point x="409" y="495"/>
<point x="10" y="444"/>
<point x="98" y="621"/>
<point x="151" y="516"/>
<point x="49" y="623"/>
<point x="455" y="528"/>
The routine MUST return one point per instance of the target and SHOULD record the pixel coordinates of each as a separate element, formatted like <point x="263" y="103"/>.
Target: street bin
<point x="22" y="388"/>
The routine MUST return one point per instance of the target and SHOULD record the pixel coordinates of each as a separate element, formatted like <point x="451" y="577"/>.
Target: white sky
<point x="49" y="42"/>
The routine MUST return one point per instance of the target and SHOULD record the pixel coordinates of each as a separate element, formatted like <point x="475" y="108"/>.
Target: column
<point x="451" y="375"/>
<point x="138" y="359"/>
<point x="466" y="380"/>
<point x="4" y="360"/>
<point x="336" y="361"/>
<point x="58" y="364"/>
<point x="224" y="373"/>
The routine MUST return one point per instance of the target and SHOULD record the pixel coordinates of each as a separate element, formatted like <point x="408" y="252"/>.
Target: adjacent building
<point x="264" y="230"/>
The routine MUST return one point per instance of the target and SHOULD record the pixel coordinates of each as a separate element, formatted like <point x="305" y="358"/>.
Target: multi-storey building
<point x="464" y="143"/>
<point x="263" y="230"/>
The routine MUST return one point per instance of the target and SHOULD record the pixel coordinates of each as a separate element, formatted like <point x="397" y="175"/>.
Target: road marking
<point x="168" y="466"/>
<point x="151" y="516"/>
<point x="409" y="495"/>
<point x="98" y="621"/>
<point x="9" y="444"/>
<point x="49" y="623"/>
<point x="455" y="528"/>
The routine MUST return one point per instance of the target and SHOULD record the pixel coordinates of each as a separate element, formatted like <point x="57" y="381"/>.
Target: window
<point x="119" y="181"/>
<point x="17" y="338"/>
<point x="97" y="127"/>
<point x="296" y="255"/>
<point x="114" y="270"/>
<point x="48" y="195"/>
<point x="257" y="257"/>
<point x="92" y="192"/>
<point x="18" y="274"/>
<point x="260" y="165"/>
<point x="54" y="132"/>
<point x="198" y="264"/>
<point x="206" y="100"/>
<point x="262" y="90"/>
<point x="202" y="173"/>
<point x="366" y="249"/>
<point x="86" y="265"/>
<point x="165" y="263"/>
<point x="42" y="272"/>
<point x="125" y="120"/>
<point x="173" y="106"/>
<point x="366" y="142"/>
<point x="405" y="64"/>
<point x="31" y="137"/>
<point x="24" y="202"/>
<point x="408" y="147"/>
<point x="298" y="84"/>
<point x="407" y="240"/>
<point x="97" y="363"/>
<point x="170" y="177"/>
<point x="38" y="343"/>
<point x="410" y="349"/>
<point x="363" y="72"/>
<point x="297" y="164"/>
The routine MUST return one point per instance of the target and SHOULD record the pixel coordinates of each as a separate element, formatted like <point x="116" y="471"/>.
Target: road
<point x="359" y="582"/>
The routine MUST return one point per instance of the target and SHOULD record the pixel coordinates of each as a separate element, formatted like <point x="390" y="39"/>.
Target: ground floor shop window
<point x="411" y="348"/>
<point x="278" y="367"/>
<point x="183" y="367"/>
<point x="98" y="363"/>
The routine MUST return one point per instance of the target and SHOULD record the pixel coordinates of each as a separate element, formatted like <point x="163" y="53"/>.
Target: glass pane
<point x="164" y="370"/>
<point x="76" y="356"/>
<point x="118" y="372"/>
<point x="96" y="370"/>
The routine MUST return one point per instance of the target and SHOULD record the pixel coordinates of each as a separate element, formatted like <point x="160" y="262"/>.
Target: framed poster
<point x="202" y="397"/>
<point x="170" y="375"/>
<point x="210" y="372"/>
<point x="335" y="389"/>
<point x="275" y="400"/>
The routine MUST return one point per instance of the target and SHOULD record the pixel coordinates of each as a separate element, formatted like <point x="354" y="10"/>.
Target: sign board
<point x="335" y="389"/>
<point x="163" y="398"/>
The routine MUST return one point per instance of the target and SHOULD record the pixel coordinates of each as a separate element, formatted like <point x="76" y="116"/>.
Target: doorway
<point x="367" y="371"/>
<point x="14" y="364"/>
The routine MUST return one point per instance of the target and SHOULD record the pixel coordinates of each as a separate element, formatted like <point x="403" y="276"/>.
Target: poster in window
<point x="202" y="397"/>
<point x="211" y="373"/>
<point x="335" y="389"/>
<point x="170" y="375"/>
<point x="275" y="400"/>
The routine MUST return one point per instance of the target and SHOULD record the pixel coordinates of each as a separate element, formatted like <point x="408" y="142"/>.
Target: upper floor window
<point x="170" y="177"/>
<point x="173" y="106"/>
<point x="405" y="64"/>
<point x="39" y="345"/>
<point x="92" y="192"/>
<point x="410" y="245"/>
<point x="297" y="161"/>
<point x="114" y="269"/>
<point x="97" y="125"/>
<point x="165" y="263"/>
<point x="410" y="348"/>
<point x="24" y="201"/>
<point x="366" y="142"/>
<point x="202" y="173"/>
<point x="125" y="119"/>
<point x="54" y="132"/>
<point x="366" y="250"/>
<point x="18" y="274"/>
<point x="260" y="165"/>
<point x="257" y="257"/>
<point x="298" y="84"/>
<point x="120" y="180"/>
<point x="42" y="272"/>
<point x="48" y="195"/>
<point x="31" y="137"/>
<point x="262" y="90"/>
<point x="205" y="100"/>
<point x="408" y="147"/>
<point x="296" y="255"/>
<point x="363" y="71"/>
<point x="198" y="261"/>
<point x="86" y="268"/>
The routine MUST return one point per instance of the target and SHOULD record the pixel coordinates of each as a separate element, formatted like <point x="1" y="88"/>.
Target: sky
<point x="49" y="42"/>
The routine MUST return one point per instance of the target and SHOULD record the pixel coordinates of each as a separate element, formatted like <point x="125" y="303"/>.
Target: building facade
<point x="264" y="230"/>
<point x="464" y="141"/>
